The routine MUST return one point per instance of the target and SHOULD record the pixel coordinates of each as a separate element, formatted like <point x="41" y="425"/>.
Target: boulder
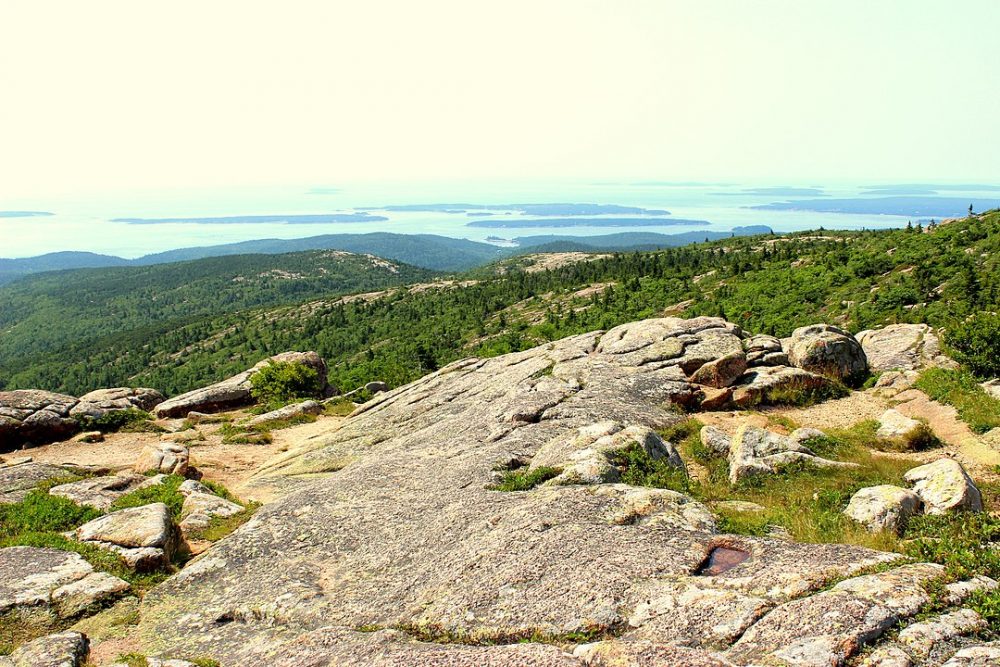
<point x="894" y="425"/>
<point x="891" y="383"/>
<point x="168" y="458"/>
<point x="983" y="655"/>
<point x="34" y="417"/>
<point x="51" y="584"/>
<point x="755" y="451"/>
<point x="287" y="412"/>
<point x="827" y="350"/>
<point x="17" y="481"/>
<point x="102" y="401"/>
<point x="721" y="372"/>
<point x="768" y="385"/>
<point x="143" y="536"/>
<point x="233" y="392"/>
<point x="883" y="507"/>
<point x="376" y="387"/>
<point x="802" y="435"/>
<point x="66" y="649"/>
<point x="99" y="492"/>
<point x="200" y="508"/>
<point x="715" y="439"/>
<point x="992" y="387"/>
<point x="944" y="487"/>
<point x="903" y="347"/>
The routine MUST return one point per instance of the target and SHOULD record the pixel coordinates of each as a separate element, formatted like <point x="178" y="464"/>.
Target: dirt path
<point x="838" y="413"/>
<point x="968" y="447"/>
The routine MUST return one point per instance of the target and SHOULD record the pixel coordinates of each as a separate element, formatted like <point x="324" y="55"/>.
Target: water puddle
<point x="721" y="559"/>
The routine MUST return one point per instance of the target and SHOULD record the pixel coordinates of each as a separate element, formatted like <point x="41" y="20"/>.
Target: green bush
<point x="281" y="382"/>
<point x="165" y="492"/>
<point x="131" y="419"/>
<point x="40" y="511"/>
<point x="976" y="344"/>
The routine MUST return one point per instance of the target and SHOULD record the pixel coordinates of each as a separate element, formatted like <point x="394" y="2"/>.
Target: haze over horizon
<point x="112" y="97"/>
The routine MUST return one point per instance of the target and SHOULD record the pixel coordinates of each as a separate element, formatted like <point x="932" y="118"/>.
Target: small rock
<point x="200" y="508"/>
<point x="944" y="486"/>
<point x="164" y="457"/>
<point x="802" y="435"/>
<point x="887" y="656"/>
<point x="66" y="649"/>
<point x="883" y="507"/>
<point x="894" y="424"/>
<point x="992" y="387"/>
<point x="715" y="439"/>
<point x="984" y="655"/>
<point x="716" y="399"/>
<point x="89" y="437"/>
<point x="920" y="639"/>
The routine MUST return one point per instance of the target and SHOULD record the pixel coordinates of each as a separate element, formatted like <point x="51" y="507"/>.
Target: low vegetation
<point x="524" y="479"/>
<point x="131" y="420"/>
<point x="279" y="383"/>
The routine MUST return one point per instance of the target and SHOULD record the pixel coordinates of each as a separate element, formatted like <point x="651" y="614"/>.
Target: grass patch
<point x="219" y="526"/>
<point x="522" y="480"/>
<point x="165" y="492"/>
<point x="803" y="396"/>
<point x="960" y="389"/>
<point x="40" y="511"/>
<point x="278" y="424"/>
<point x="638" y="468"/>
<point x="340" y="408"/>
<point x="239" y="435"/>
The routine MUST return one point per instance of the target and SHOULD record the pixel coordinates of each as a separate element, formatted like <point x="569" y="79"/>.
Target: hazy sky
<point x="108" y="95"/>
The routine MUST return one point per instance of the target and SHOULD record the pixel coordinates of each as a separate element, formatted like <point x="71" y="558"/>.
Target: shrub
<point x="976" y="344"/>
<point x="281" y="382"/>
<point x="40" y="511"/>
<point x="165" y="492"/>
<point x="132" y="419"/>
<point x="521" y="480"/>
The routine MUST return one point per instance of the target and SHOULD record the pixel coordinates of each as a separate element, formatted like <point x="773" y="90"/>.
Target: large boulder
<point x="883" y="507"/>
<point x="827" y="350"/>
<point x="46" y="585"/>
<point x="903" y="347"/>
<point x="391" y="519"/>
<point x="35" y="417"/>
<point x="945" y="487"/>
<point x="102" y="401"/>
<point x="233" y="392"/>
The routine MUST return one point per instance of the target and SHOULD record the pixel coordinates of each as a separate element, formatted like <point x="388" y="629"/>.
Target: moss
<point x="522" y="480"/>
<point x="340" y="408"/>
<point x="218" y="527"/>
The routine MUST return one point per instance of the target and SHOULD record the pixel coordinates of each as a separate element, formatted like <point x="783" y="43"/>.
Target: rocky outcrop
<point x="883" y="507"/>
<point x="102" y="401"/>
<point x="287" y="412"/>
<point x="201" y="506"/>
<point x="944" y="487"/>
<point x="43" y="586"/>
<point x="766" y="385"/>
<point x="233" y="392"/>
<point x="389" y="523"/>
<point x="903" y="347"/>
<point x="34" y="417"/>
<point x="827" y="350"/>
<point x="66" y="649"/>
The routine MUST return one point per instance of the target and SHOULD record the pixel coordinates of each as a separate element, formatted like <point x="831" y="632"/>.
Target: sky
<point x="108" y="95"/>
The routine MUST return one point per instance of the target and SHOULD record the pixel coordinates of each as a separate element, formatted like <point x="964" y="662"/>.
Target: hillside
<point x="12" y="269"/>
<point x="55" y="317"/>
<point x="768" y="284"/>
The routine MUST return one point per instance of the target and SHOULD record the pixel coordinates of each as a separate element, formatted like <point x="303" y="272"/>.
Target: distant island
<point x="774" y="192"/>
<point x="939" y="207"/>
<point x="257" y="219"/>
<point x="584" y="222"/>
<point x="527" y="209"/>
<point x="24" y="214"/>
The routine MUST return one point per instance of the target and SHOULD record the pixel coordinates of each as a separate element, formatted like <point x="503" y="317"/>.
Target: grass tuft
<point x="522" y="480"/>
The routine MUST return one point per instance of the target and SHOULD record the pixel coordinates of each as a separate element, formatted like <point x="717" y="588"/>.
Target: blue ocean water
<point x="87" y="223"/>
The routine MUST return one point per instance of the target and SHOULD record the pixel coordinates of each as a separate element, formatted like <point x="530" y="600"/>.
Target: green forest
<point x="179" y="326"/>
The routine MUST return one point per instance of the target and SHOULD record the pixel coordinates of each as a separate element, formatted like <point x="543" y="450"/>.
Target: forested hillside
<point x="767" y="284"/>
